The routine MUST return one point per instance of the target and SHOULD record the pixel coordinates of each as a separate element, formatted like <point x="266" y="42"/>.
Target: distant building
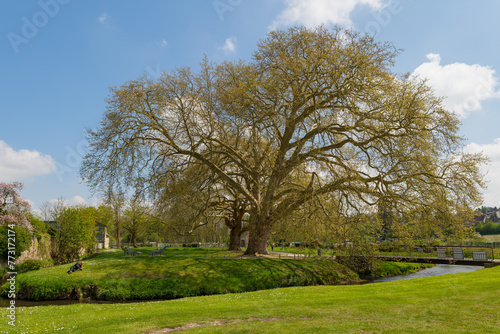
<point x="51" y="223"/>
<point x="102" y="236"/>
<point x="495" y="216"/>
<point x="480" y="217"/>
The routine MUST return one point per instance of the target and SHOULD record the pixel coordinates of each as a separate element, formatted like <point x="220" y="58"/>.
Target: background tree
<point x="115" y="200"/>
<point x="195" y="198"/>
<point x="104" y="214"/>
<point x="76" y="233"/>
<point x="13" y="208"/>
<point x="184" y="199"/>
<point x="137" y="219"/>
<point x="314" y="101"/>
<point x="488" y="228"/>
<point x="39" y="227"/>
<point x="57" y="208"/>
<point x="45" y="209"/>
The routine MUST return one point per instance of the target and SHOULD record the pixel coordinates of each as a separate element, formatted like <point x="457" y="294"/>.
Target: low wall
<point x="38" y="250"/>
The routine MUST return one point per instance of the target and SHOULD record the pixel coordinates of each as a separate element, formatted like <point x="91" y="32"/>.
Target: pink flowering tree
<point x="13" y="208"/>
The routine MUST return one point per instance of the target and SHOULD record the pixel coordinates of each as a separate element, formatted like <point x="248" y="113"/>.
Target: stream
<point x="440" y="269"/>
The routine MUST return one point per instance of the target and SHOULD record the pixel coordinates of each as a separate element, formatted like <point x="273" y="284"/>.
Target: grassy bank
<point x="180" y="273"/>
<point x="458" y="303"/>
<point x="491" y="238"/>
<point x="388" y="269"/>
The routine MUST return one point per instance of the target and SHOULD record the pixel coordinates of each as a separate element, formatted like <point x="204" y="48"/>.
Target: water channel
<point x="440" y="269"/>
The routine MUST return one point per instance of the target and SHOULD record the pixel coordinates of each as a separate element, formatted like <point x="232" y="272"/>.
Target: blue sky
<point x="59" y="57"/>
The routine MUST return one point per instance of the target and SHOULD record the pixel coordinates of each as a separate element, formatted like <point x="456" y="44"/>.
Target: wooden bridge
<point x="436" y="260"/>
<point x="477" y="256"/>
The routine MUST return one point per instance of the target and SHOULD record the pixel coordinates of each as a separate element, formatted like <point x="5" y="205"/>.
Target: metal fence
<point x="170" y="244"/>
<point x="483" y="244"/>
<point x="467" y="251"/>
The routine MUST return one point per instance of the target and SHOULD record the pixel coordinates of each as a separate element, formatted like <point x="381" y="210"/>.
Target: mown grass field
<point x="182" y="272"/>
<point x="457" y="303"/>
<point x="301" y="250"/>
<point x="491" y="238"/>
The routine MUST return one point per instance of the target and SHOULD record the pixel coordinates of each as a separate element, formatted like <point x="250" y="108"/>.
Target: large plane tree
<point x="315" y="111"/>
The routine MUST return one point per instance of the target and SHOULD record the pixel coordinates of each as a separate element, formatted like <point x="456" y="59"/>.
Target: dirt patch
<point x="220" y="322"/>
<point x="352" y="282"/>
<point x="75" y="294"/>
<point x="26" y="293"/>
<point x="91" y="291"/>
<point x="259" y="256"/>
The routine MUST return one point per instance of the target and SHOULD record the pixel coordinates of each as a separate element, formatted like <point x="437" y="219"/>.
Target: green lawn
<point x="182" y="272"/>
<point x="458" y="303"/>
<point x="301" y="250"/>
<point x="491" y="238"/>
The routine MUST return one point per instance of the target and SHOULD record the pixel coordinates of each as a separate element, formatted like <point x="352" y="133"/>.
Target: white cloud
<point x="492" y="194"/>
<point x="463" y="86"/>
<point x="94" y="201"/>
<point x="312" y="13"/>
<point x="230" y="45"/>
<point x="163" y="43"/>
<point x="77" y="200"/>
<point x="491" y="150"/>
<point x="37" y="212"/>
<point x="22" y="164"/>
<point x="103" y="18"/>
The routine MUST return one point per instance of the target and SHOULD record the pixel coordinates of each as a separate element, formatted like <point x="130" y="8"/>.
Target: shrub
<point x="488" y="229"/>
<point x="76" y="231"/>
<point x="22" y="241"/>
<point x="3" y="271"/>
<point x="40" y="227"/>
<point x="386" y="269"/>
<point x="30" y="265"/>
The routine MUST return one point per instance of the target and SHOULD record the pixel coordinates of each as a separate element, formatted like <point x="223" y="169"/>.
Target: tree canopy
<point x="314" y="112"/>
<point x="76" y="232"/>
<point x="13" y="208"/>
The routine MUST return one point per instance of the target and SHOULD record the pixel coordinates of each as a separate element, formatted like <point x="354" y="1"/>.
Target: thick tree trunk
<point x="235" y="227"/>
<point x="259" y="235"/>
<point x="133" y="240"/>
<point x="234" y="237"/>
<point x="118" y="244"/>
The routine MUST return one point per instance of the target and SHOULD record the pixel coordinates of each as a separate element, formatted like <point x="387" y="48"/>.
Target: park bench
<point x="128" y="251"/>
<point x="158" y="252"/>
<point x="480" y="255"/>
<point x="441" y="253"/>
<point x="458" y="253"/>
